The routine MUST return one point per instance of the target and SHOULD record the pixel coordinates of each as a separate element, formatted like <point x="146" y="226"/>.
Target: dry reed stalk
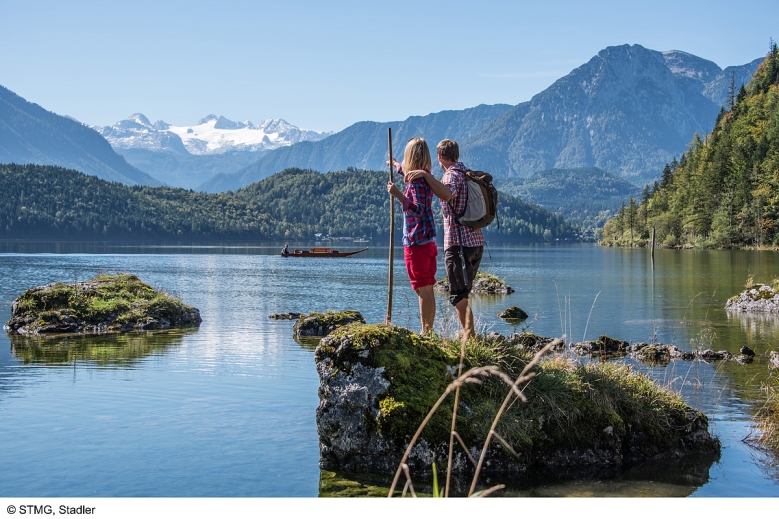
<point x="588" y="317"/>
<point x="523" y="377"/>
<point x="469" y="377"/>
<point x="453" y="431"/>
<point x="485" y="493"/>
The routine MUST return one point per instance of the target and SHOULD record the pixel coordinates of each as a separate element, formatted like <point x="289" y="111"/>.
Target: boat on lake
<point x="319" y="252"/>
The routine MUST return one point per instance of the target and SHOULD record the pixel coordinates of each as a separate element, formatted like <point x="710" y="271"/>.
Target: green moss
<point x="120" y="298"/>
<point x="569" y="404"/>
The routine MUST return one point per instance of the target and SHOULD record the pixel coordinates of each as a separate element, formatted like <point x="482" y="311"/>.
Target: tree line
<point x="724" y="190"/>
<point x="48" y="202"/>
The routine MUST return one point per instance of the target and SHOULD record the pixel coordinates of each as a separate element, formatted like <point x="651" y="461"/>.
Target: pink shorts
<point x="421" y="264"/>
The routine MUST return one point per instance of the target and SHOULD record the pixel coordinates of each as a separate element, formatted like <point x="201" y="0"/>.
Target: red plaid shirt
<point x="454" y="233"/>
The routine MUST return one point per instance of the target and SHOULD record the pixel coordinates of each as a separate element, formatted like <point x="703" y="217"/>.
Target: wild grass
<point x="766" y="421"/>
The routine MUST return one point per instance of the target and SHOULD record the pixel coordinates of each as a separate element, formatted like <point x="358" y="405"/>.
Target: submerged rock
<point x="289" y="316"/>
<point x="319" y="325"/>
<point x="759" y="298"/>
<point x="378" y="382"/>
<point x="514" y="312"/>
<point x="484" y="283"/>
<point x="107" y="303"/>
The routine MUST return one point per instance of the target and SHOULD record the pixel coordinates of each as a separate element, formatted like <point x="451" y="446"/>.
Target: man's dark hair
<point x="448" y="149"/>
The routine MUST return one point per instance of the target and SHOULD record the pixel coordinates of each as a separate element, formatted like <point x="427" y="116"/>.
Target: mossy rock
<point x="378" y="382"/>
<point x="106" y="303"/>
<point x="757" y="298"/>
<point x="515" y="313"/>
<point x="318" y="325"/>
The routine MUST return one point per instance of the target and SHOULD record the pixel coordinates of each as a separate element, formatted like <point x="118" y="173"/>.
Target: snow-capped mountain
<point x="210" y="136"/>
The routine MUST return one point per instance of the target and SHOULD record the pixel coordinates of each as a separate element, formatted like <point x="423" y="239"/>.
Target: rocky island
<point x="377" y="383"/>
<point x="107" y="303"/>
<point x="758" y="297"/>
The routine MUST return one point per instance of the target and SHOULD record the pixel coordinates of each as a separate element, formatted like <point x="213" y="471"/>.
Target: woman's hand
<point x="398" y="166"/>
<point x="394" y="190"/>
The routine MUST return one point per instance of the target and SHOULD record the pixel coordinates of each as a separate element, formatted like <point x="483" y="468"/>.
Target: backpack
<point x="481" y="201"/>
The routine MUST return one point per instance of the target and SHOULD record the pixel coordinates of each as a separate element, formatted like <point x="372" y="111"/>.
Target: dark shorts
<point x="458" y="289"/>
<point x="421" y="264"/>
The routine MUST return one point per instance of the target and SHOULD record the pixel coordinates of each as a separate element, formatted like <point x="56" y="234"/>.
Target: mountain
<point x="724" y="190"/>
<point x="586" y="197"/>
<point x="361" y="145"/>
<point x="187" y="156"/>
<point x="629" y="110"/>
<point x="31" y="134"/>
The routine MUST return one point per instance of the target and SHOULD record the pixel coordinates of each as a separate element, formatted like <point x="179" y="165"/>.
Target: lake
<point x="229" y="409"/>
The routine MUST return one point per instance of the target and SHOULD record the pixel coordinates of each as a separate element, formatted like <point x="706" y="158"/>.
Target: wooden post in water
<point x="652" y="253"/>
<point x="388" y="319"/>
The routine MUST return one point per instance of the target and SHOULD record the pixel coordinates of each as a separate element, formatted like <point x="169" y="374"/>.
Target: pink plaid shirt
<point x="454" y="233"/>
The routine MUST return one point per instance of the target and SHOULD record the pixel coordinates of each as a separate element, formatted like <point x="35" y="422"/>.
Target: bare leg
<point x="426" y="307"/>
<point x="465" y="315"/>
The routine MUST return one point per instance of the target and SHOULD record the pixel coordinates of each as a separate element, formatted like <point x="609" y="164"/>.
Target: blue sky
<point x="324" y="65"/>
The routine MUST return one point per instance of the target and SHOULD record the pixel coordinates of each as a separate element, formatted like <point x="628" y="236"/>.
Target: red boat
<point x="319" y="252"/>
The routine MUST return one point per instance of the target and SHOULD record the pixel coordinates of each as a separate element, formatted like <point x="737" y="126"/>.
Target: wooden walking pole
<point x="388" y="320"/>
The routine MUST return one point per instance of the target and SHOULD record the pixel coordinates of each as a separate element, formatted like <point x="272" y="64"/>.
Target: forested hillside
<point x="724" y="191"/>
<point x="45" y="202"/>
<point x="586" y="197"/>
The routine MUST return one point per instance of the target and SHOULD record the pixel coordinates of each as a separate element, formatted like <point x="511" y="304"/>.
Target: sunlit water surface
<point x="229" y="409"/>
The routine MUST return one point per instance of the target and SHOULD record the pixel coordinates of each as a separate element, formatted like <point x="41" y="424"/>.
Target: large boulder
<point x="107" y="303"/>
<point x="378" y="382"/>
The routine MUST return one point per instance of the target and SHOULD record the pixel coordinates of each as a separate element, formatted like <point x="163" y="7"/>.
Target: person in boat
<point x="285" y="250"/>
<point x="419" y="248"/>
<point x="463" y="246"/>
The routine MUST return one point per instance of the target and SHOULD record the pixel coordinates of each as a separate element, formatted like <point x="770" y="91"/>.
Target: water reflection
<point x="756" y="325"/>
<point x="658" y="478"/>
<point x="115" y="350"/>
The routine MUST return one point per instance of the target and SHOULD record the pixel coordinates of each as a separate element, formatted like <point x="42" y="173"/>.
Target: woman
<point x="419" y="247"/>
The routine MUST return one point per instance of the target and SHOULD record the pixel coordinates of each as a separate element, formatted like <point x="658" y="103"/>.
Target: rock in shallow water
<point x="760" y="298"/>
<point x="378" y="382"/>
<point x="108" y="303"/>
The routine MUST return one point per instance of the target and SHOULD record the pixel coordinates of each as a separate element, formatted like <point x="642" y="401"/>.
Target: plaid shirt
<point x="419" y="226"/>
<point x="454" y="233"/>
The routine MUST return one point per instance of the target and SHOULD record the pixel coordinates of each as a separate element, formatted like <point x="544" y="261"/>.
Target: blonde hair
<point x="416" y="155"/>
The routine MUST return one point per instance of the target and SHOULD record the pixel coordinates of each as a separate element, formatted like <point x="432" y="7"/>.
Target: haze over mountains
<point x="628" y="111"/>
<point x="31" y="134"/>
<point x="362" y="145"/>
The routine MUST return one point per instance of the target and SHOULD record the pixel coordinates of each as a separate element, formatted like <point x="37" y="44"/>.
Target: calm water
<point x="228" y="409"/>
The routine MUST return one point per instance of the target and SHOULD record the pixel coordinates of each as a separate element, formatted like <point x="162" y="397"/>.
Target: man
<point x="463" y="246"/>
